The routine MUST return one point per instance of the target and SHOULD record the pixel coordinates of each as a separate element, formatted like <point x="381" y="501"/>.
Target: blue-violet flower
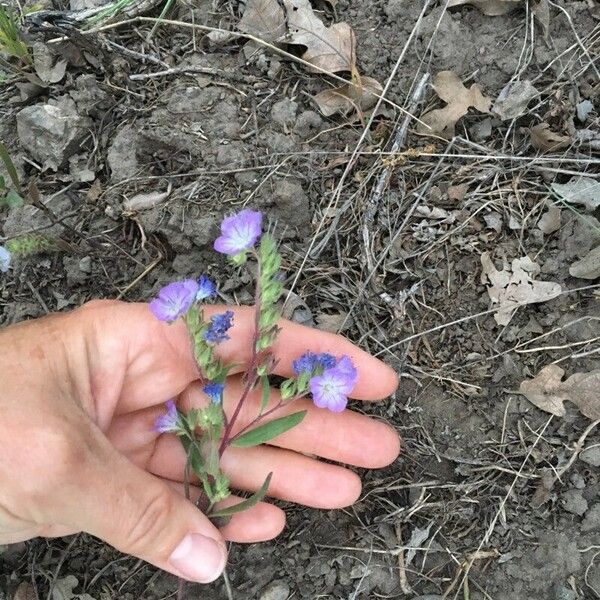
<point x="214" y="391"/>
<point x="310" y="361"/>
<point x="219" y="325"/>
<point x="169" y="421"/>
<point x="206" y="288"/>
<point x="174" y="300"/>
<point x="239" y="232"/>
<point x="330" y="390"/>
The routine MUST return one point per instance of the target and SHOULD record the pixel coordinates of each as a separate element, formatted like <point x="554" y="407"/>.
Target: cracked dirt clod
<point x="51" y="133"/>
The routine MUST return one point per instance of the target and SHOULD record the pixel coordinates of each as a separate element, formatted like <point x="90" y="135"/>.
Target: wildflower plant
<point x="207" y="432"/>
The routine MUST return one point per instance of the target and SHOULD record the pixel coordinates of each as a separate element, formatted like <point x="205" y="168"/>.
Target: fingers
<point x="141" y="515"/>
<point x="257" y="524"/>
<point x="296" y="477"/>
<point x="160" y="362"/>
<point x="347" y="437"/>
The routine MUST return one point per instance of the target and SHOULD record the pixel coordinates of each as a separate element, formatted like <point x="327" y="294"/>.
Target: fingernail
<point x="198" y="558"/>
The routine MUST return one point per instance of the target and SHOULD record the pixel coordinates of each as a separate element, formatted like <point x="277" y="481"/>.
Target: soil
<point x="468" y="492"/>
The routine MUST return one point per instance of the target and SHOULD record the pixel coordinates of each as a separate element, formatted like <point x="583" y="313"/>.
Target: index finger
<point x="161" y="362"/>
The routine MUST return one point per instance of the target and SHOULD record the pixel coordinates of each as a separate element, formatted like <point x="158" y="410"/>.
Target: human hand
<point x="79" y="395"/>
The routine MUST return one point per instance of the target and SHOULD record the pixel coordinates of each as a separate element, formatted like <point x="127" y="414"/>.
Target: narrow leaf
<point x="194" y="457"/>
<point x="10" y="167"/>
<point x="266" y="393"/>
<point x="245" y="504"/>
<point x="268" y="431"/>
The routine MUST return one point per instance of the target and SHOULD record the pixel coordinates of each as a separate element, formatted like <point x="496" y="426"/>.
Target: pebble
<point x="276" y="590"/>
<point x="591" y="456"/>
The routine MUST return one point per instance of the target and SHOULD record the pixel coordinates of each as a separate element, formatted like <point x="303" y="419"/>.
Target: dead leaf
<point x="491" y="8"/>
<point x="544" y="139"/>
<point x="548" y="392"/>
<point x="25" y="591"/>
<point x="512" y="101"/>
<point x="550" y="221"/>
<point x="145" y="201"/>
<point x="540" y="390"/>
<point x="580" y="190"/>
<point x="264" y="19"/>
<point x="458" y="100"/>
<point x="330" y="49"/>
<point x="541" y="13"/>
<point x="333" y="322"/>
<point x="360" y="96"/>
<point x="588" y="267"/>
<point x="514" y="287"/>
<point x="457" y="192"/>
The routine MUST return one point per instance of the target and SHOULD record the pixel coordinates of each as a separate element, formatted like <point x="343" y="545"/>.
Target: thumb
<point x="141" y="515"/>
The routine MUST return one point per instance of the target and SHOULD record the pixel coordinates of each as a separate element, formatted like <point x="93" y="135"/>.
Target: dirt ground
<point x="491" y="498"/>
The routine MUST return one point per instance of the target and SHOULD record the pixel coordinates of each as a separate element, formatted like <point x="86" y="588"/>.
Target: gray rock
<point x="122" y="154"/>
<point x="276" y="590"/>
<point x="85" y="264"/>
<point x="308" y="124"/>
<point x="573" y="501"/>
<point x="284" y="112"/>
<point x="429" y="597"/>
<point x="290" y="204"/>
<point x="591" y="521"/>
<point x="231" y="155"/>
<point x="591" y="456"/>
<point x="52" y="132"/>
<point x="564" y="593"/>
<point x="85" y="4"/>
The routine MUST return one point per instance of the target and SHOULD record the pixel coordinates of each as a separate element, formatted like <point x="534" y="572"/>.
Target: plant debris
<point x="512" y="101"/>
<point x="264" y="19"/>
<point x="329" y="49"/>
<point x="580" y="190"/>
<point x="493" y="8"/>
<point x="514" y="287"/>
<point x="360" y="96"/>
<point x="546" y="140"/>
<point x="458" y="98"/>
<point x="548" y="392"/>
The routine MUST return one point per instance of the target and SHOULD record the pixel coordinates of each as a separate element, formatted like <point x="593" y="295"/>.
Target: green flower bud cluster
<point x="292" y="388"/>
<point x="26" y="245"/>
<point x="270" y="292"/>
<point x="203" y="351"/>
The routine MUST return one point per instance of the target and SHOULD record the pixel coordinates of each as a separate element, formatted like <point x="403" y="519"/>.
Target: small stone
<point x="276" y="590"/>
<point x="564" y="593"/>
<point x="51" y="133"/>
<point x="573" y="502"/>
<point x="122" y="154"/>
<point x="591" y="521"/>
<point x="588" y="267"/>
<point x="290" y="203"/>
<point x="591" y="456"/>
<point x="85" y="264"/>
<point x="308" y="124"/>
<point x="284" y="112"/>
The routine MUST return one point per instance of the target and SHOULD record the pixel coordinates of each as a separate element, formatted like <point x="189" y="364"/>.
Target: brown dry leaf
<point x="360" y="96"/>
<point x="264" y="19"/>
<point x="330" y="49"/>
<point x="333" y="322"/>
<point x="492" y="8"/>
<point x="25" y="591"/>
<point x="541" y="390"/>
<point x="458" y="100"/>
<point x="544" y="139"/>
<point x="548" y="392"/>
<point x="550" y="221"/>
<point x="515" y="287"/>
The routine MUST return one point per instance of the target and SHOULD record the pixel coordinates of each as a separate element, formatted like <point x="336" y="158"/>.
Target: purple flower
<point x="174" y="300"/>
<point x="214" y="391"/>
<point x="239" y="232"/>
<point x="219" y="325"/>
<point x="330" y="390"/>
<point x="169" y="422"/>
<point x="206" y="288"/>
<point x="310" y="361"/>
<point x="5" y="258"/>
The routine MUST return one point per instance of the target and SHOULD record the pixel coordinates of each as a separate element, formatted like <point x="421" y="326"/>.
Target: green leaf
<point x="266" y="393"/>
<point x="245" y="504"/>
<point x="10" y="167"/>
<point x="13" y="200"/>
<point x="2" y="183"/>
<point x="194" y="457"/>
<point x="268" y="431"/>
